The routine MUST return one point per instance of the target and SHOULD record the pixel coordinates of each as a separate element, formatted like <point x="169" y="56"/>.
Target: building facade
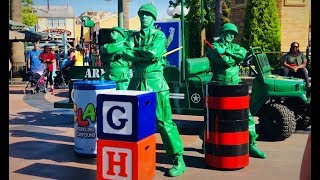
<point x="56" y="20"/>
<point x="101" y="20"/>
<point x="295" y="20"/>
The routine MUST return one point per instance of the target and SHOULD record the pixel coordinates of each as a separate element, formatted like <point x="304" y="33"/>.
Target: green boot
<point x="178" y="166"/>
<point x="255" y="152"/>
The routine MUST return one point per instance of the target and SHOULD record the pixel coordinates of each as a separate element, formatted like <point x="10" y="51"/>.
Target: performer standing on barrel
<point x="146" y="49"/>
<point x="224" y="59"/>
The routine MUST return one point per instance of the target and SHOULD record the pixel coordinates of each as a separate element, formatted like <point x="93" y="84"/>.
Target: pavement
<point x="41" y="146"/>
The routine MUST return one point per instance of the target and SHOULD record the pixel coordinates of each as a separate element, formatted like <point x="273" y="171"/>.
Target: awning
<point x="26" y="36"/>
<point x="14" y="25"/>
<point x="34" y="36"/>
<point x="15" y="35"/>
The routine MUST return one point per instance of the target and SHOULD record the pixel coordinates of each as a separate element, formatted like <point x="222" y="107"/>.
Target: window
<point x="295" y="2"/>
<point x="56" y="22"/>
<point x="238" y="2"/>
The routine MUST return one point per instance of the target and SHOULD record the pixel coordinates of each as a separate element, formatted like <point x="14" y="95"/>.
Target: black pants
<point x="301" y="73"/>
<point x="49" y="78"/>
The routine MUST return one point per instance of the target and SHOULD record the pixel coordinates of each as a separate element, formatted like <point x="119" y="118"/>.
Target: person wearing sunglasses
<point x="295" y="63"/>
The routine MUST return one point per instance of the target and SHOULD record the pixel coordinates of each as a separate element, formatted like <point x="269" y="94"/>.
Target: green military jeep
<point x="279" y="102"/>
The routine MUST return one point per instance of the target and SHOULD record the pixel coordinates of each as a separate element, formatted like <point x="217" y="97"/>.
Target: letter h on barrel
<point x="126" y="127"/>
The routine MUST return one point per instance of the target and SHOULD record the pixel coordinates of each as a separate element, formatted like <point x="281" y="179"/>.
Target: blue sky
<point x="81" y="6"/>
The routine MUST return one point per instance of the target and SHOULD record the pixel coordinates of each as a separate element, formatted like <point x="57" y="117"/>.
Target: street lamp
<point x="175" y="9"/>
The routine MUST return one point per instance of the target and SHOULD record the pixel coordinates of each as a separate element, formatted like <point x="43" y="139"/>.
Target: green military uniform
<point x="145" y="50"/>
<point x="111" y="55"/>
<point x="224" y="59"/>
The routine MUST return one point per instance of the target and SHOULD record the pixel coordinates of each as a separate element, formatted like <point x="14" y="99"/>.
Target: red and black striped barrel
<point x="226" y="135"/>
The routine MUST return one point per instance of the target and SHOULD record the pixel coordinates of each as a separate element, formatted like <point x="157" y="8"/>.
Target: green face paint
<point x="114" y="35"/>
<point x="227" y="36"/>
<point x="146" y="19"/>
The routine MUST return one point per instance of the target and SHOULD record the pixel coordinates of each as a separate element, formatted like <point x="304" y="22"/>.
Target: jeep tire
<point x="276" y="122"/>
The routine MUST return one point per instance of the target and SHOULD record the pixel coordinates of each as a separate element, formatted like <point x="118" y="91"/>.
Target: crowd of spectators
<point x="56" y="60"/>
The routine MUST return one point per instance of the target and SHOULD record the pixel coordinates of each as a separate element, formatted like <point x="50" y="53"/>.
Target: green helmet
<point x="230" y="27"/>
<point x="120" y="30"/>
<point x="149" y="8"/>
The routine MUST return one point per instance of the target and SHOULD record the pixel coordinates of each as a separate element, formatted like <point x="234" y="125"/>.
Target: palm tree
<point x="17" y="48"/>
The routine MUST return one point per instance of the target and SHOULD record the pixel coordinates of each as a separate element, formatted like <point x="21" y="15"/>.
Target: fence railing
<point x="19" y="70"/>
<point x="276" y="63"/>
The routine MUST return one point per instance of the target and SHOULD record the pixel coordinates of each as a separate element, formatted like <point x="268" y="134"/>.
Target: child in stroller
<point x="37" y="79"/>
<point x="61" y="79"/>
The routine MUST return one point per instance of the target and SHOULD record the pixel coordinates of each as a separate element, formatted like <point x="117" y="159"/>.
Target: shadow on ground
<point x="39" y="133"/>
<point x="161" y="147"/>
<point x="191" y="161"/>
<point x="57" y="172"/>
<point x="62" y="94"/>
<point x="62" y="118"/>
<point x="16" y="91"/>
<point x="37" y="150"/>
<point x="261" y="137"/>
<point x="188" y="127"/>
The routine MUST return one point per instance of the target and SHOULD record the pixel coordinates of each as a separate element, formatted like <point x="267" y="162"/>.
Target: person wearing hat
<point x="111" y="56"/>
<point x="145" y="49"/>
<point x="224" y="59"/>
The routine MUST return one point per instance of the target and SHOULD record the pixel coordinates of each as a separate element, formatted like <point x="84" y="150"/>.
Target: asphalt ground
<point x="41" y="146"/>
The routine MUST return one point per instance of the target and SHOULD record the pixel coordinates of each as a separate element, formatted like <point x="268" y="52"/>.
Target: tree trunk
<point x="17" y="48"/>
<point x="217" y="12"/>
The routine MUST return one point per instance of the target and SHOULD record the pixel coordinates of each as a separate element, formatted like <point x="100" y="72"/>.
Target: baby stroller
<point x="37" y="80"/>
<point x="61" y="78"/>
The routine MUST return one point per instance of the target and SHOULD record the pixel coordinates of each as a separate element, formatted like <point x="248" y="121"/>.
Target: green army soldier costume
<point x="224" y="60"/>
<point x="111" y="55"/>
<point x="145" y="50"/>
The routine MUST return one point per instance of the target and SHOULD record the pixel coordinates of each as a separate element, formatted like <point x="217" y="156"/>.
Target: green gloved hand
<point x="220" y="50"/>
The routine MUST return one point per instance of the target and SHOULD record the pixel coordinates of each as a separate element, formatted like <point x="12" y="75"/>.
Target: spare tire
<point x="276" y="122"/>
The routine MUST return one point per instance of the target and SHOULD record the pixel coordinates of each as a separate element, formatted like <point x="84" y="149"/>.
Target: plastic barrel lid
<point x="94" y="84"/>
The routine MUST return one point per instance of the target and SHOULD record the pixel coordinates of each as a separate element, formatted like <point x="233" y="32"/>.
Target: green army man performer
<point x="224" y="59"/>
<point x="145" y="50"/>
<point x="111" y="55"/>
